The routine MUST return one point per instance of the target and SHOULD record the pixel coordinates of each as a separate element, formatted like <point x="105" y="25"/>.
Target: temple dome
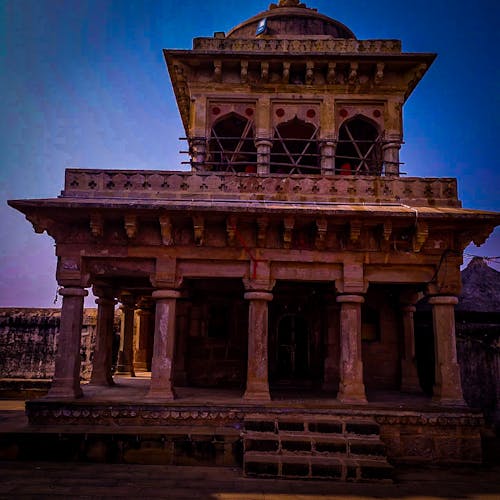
<point x="290" y="19"/>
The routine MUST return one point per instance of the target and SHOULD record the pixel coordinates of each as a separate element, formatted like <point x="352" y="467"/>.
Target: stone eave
<point x="256" y="206"/>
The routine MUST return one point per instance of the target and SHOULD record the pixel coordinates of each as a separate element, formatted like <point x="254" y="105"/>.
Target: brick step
<point x="316" y="443"/>
<point x="314" y="424"/>
<point x="300" y="466"/>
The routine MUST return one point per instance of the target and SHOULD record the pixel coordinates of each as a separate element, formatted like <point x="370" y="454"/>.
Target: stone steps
<point x="306" y="446"/>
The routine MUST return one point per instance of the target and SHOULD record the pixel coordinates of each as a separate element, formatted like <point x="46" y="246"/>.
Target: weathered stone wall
<point x="28" y="342"/>
<point x="478" y="351"/>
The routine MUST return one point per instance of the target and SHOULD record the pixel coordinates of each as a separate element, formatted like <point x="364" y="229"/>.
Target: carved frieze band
<point x="299" y="46"/>
<point x="207" y="185"/>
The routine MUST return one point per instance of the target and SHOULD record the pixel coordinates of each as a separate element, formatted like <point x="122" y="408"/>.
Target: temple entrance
<point x="293" y="353"/>
<point x="297" y="332"/>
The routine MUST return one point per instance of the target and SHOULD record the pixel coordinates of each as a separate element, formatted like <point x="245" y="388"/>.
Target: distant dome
<point x="284" y="20"/>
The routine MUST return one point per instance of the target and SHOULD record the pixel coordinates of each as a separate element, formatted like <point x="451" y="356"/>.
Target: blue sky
<point x="84" y="84"/>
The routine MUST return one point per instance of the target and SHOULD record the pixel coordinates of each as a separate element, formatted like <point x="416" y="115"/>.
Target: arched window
<point x="359" y="149"/>
<point x="231" y="147"/>
<point x="295" y="148"/>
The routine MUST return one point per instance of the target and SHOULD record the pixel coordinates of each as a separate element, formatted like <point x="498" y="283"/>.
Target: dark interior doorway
<point x="293" y="353"/>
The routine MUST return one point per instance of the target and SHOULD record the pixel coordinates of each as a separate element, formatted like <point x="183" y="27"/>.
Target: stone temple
<point x="270" y="290"/>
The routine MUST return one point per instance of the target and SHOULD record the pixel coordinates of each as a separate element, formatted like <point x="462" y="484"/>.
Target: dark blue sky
<point x="84" y="84"/>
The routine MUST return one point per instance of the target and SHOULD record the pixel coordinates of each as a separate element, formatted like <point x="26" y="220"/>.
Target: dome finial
<point x="288" y="3"/>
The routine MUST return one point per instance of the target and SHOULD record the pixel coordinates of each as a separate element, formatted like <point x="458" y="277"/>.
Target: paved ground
<point x="42" y="480"/>
<point x="89" y="481"/>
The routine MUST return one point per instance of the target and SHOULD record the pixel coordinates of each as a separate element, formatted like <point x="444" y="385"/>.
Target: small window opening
<point x="231" y="145"/>
<point x="359" y="148"/>
<point x="295" y="148"/>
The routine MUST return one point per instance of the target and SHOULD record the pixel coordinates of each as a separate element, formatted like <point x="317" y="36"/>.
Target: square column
<point x="257" y="371"/>
<point x="448" y="386"/>
<point x="409" y="376"/>
<point x="351" y="386"/>
<point x="66" y="381"/>
<point x="103" y="350"/>
<point x="126" y="352"/>
<point x="332" y="347"/>
<point x="161" y="388"/>
<point x="141" y="348"/>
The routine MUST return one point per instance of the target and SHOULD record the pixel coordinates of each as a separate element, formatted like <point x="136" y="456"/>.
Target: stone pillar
<point x="351" y="386"/>
<point x="103" y="350"/>
<point x="144" y="316"/>
<point x="66" y="381"/>
<point x="257" y="372"/>
<point x="198" y="151"/>
<point x="164" y="346"/>
<point x="328" y="158"/>
<point x="448" y="386"/>
<point x="391" y="156"/>
<point x="332" y="347"/>
<point x="409" y="375"/>
<point x="125" y="365"/>
<point x="263" y="155"/>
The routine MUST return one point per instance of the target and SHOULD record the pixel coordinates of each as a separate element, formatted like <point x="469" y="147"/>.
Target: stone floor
<point x="31" y="480"/>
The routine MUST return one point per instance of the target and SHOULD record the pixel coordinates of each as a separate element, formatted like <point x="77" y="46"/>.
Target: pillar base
<point x="409" y="379"/>
<point x="64" y="393"/>
<point x="352" y="393"/>
<point x="448" y="401"/>
<point x="159" y="396"/>
<point x="101" y="383"/>
<point x="257" y="396"/>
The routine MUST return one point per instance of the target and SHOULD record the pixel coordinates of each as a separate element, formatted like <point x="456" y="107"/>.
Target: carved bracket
<point x="353" y="73"/>
<point x="231" y="226"/>
<point x="130" y="222"/>
<point x="262" y="223"/>
<point x="218" y="70"/>
<point x="264" y="71"/>
<point x="331" y="75"/>
<point x="379" y="73"/>
<point x="199" y="229"/>
<point x="286" y="72"/>
<point x="39" y="222"/>
<point x="387" y="230"/>
<point x="96" y="225"/>
<point x="420" y="236"/>
<point x="166" y="230"/>
<point x="244" y="72"/>
<point x="321" y="226"/>
<point x="288" y="223"/>
<point x="310" y="72"/>
<point x="355" y="230"/>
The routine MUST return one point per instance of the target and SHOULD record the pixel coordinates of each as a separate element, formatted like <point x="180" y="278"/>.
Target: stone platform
<point x="207" y="427"/>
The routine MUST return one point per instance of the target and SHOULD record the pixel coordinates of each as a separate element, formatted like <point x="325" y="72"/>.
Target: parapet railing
<point x="178" y="185"/>
<point x="300" y="46"/>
